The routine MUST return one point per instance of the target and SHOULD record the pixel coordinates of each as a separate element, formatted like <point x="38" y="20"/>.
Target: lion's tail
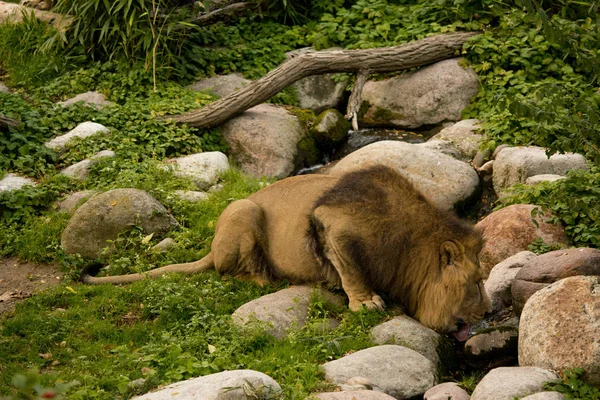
<point x="87" y="275"/>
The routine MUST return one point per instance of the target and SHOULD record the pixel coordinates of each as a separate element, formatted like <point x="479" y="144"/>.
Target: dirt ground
<point x="19" y="279"/>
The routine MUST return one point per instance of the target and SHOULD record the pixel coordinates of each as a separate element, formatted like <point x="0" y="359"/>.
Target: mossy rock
<point x="330" y="129"/>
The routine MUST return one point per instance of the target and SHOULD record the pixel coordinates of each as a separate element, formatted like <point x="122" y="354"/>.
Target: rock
<point x="221" y="85"/>
<point x="10" y="182"/>
<point x="83" y="130"/>
<point x="444" y="147"/>
<point x="358" y="139"/>
<point x="281" y="311"/>
<point x="81" y="170"/>
<point x="104" y="216"/>
<point x="353" y="395"/>
<point x="446" y="391"/>
<point x="433" y="94"/>
<point x="227" y="385"/>
<point x="202" y="168"/>
<point x="551" y="267"/>
<point x="515" y="164"/>
<point x="506" y="383"/>
<point x="560" y="325"/>
<point x="510" y="230"/>
<point x="330" y="129"/>
<point x="407" y="332"/>
<point x="320" y="92"/>
<point x="164" y="245"/>
<point x="395" y="370"/>
<point x="464" y="137"/>
<point x="499" y="283"/>
<point x="264" y="140"/>
<point x="4" y="88"/>
<point x="495" y="346"/>
<point x="191" y="195"/>
<point x="73" y="200"/>
<point x="544" y="396"/>
<point x="94" y="98"/>
<point x="442" y="179"/>
<point x="534" y="180"/>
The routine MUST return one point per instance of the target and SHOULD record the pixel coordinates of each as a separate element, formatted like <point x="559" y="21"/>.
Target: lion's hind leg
<point x="335" y="238"/>
<point x="239" y="247"/>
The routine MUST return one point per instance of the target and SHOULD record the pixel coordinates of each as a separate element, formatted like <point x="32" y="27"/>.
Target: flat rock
<point x="464" y="137"/>
<point x="446" y="391"/>
<point x="515" y="164"/>
<point x="405" y="331"/>
<point x="73" y="200"/>
<point x="506" y="383"/>
<point x="534" y="180"/>
<point x="281" y="311"/>
<point x="559" y="327"/>
<point x="83" y="130"/>
<point x="499" y="283"/>
<point x="221" y="85"/>
<point x="496" y="346"/>
<point x="428" y="96"/>
<point x="320" y="92"/>
<point x="93" y="98"/>
<point x="395" y="370"/>
<point x="11" y="182"/>
<point x="264" y="141"/>
<point x="103" y="217"/>
<point x="81" y="170"/>
<point x="203" y="169"/>
<point x="548" y="268"/>
<point x="445" y="181"/>
<point x="511" y="230"/>
<point x="227" y="385"/>
<point x="353" y="395"/>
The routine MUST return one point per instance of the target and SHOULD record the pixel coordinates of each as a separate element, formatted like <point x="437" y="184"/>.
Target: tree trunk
<point x="6" y="122"/>
<point x="386" y="59"/>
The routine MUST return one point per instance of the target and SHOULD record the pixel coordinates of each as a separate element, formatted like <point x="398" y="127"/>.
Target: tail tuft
<point x="89" y="271"/>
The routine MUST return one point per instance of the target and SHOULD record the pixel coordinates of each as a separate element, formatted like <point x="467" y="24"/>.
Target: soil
<point x="20" y="279"/>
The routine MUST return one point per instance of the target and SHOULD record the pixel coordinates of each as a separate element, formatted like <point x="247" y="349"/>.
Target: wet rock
<point x="395" y="370"/>
<point x="499" y="283"/>
<point x="106" y="215"/>
<point x="281" y="311"/>
<point x="506" y="383"/>
<point x="510" y="230"/>
<point x="548" y="268"/>
<point x="559" y="327"/>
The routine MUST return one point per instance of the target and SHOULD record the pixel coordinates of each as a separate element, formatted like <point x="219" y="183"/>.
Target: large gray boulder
<point x="227" y="385"/>
<point x="506" y="383"/>
<point x="320" y="92"/>
<point x="548" y="268"/>
<point x="442" y="179"/>
<point x="515" y="164"/>
<point x="511" y="230"/>
<point x="433" y="94"/>
<point x="221" y="85"/>
<point x="105" y="216"/>
<point x="559" y="327"/>
<point x="264" y="140"/>
<point x="395" y="370"/>
<point x="203" y="169"/>
<point x="10" y="182"/>
<point x="282" y="311"/>
<point x="498" y="285"/>
<point x="463" y="136"/>
<point x="407" y="332"/>
<point x="81" y="131"/>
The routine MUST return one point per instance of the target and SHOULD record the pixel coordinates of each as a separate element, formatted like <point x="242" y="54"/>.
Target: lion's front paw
<point x="375" y="302"/>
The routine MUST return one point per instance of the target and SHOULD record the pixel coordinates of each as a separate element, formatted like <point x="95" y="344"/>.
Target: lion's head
<point x="454" y="296"/>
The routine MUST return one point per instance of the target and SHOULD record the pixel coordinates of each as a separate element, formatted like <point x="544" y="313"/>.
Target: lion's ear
<point x="450" y="252"/>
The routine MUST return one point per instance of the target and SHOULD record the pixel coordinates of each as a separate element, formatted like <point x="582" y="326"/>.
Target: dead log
<point x="6" y="122"/>
<point x="386" y="59"/>
<point x="229" y="11"/>
<point x="10" y="12"/>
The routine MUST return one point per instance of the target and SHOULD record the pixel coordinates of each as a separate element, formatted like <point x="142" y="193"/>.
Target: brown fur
<point x="368" y="231"/>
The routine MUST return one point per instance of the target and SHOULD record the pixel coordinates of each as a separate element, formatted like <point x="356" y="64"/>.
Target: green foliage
<point x="28" y="387"/>
<point x="538" y="246"/>
<point x="573" y="386"/>
<point x="572" y="201"/>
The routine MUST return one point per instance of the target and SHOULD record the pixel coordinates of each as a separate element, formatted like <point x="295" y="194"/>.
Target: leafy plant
<point x="573" y="386"/>
<point x="28" y="387"/>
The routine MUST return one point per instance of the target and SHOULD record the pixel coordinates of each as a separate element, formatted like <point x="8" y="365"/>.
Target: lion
<point x="366" y="232"/>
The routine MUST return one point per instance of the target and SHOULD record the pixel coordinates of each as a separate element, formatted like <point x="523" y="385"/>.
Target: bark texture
<point x="398" y="58"/>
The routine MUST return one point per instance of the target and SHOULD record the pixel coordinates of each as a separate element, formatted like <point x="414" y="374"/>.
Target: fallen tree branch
<point x="6" y="122"/>
<point x="386" y="59"/>
<point x="227" y="11"/>
<point x="356" y="97"/>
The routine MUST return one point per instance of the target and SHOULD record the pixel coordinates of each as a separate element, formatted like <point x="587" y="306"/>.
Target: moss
<point x="383" y="114"/>
<point x="330" y="128"/>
